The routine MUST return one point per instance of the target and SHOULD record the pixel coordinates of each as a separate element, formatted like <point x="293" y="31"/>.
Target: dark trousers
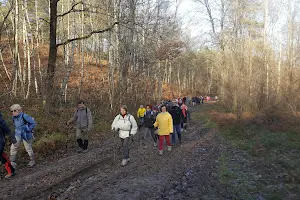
<point x="176" y="130"/>
<point x="151" y="130"/>
<point x="188" y="115"/>
<point x="125" y="145"/>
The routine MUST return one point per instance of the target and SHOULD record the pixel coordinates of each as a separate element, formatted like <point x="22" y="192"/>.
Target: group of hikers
<point x="23" y="133"/>
<point x="159" y="121"/>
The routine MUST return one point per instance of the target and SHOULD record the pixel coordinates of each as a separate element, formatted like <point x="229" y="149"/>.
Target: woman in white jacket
<point x="126" y="125"/>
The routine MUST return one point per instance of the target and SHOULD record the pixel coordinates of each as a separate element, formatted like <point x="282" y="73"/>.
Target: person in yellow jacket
<point x="164" y="122"/>
<point x="141" y="114"/>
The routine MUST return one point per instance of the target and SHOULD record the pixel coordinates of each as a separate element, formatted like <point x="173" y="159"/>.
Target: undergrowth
<point x="263" y="161"/>
<point x="52" y="135"/>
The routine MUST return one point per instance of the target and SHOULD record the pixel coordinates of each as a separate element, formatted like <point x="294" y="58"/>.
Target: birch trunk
<point x="4" y="66"/>
<point x="82" y="58"/>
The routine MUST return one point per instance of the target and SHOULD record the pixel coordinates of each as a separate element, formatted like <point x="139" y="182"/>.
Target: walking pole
<point x="115" y="146"/>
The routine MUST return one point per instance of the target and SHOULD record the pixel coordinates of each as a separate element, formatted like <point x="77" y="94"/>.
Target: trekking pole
<point x="115" y="146"/>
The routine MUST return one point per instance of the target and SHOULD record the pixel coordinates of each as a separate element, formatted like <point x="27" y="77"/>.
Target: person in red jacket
<point x="4" y="129"/>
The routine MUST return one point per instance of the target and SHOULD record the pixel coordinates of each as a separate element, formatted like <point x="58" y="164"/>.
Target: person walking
<point x="193" y="101"/>
<point x="184" y="110"/>
<point x="149" y="120"/>
<point x="23" y="125"/>
<point x="84" y="122"/>
<point x="140" y="115"/>
<point x="4" y="129"/>
<point x="126" y="125"/>
<point x="164" y="123"/>
<point x="177" y="117"/>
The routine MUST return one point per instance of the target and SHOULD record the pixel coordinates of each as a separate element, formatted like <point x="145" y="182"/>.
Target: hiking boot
<point x="85" y="144"/>
<point x="124" y="162"/>
<point x="79" y="150"/>
<point x="169" y="148"/>
<point x="160" y="152"/>
<point x="10" y="175"/>
<point x="31" y="163"/>
<point x="155" y="144"/>
<point x="85" y="150"/>
<point x="128" y="159"/>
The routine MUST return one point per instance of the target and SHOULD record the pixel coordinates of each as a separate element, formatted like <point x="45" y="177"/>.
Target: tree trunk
<point x="82" y="59"/>
<point x="4" y="66"/>
<point x="52" y="58"/>
<point x="16" y="65"/>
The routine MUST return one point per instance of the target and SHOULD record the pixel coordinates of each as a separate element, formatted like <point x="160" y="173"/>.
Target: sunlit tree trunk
<point x="82" y="58"/>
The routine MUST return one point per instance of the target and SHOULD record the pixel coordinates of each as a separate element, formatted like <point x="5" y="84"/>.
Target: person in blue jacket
<point x="4" y="129"/>
<point x="24" y="125"/>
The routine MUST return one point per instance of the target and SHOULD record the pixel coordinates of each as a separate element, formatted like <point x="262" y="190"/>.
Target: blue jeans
<point x="176" y="130"/>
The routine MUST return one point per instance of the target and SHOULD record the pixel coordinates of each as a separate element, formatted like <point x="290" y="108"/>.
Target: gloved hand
<point x="115" y="129"/>
<point x="15" y="145"/>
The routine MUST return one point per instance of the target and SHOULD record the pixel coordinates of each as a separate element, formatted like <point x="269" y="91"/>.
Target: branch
<point x="88" y="35"/>
<point x="44" y="20"/>
<point x="5" y="17"/>
<point x="72" y="9"/>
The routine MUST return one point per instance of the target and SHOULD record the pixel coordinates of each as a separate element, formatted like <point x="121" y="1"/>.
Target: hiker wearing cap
<point x="24" y="125"/>
<point x="126" y="125"/>
<point x="84" y="122"/>
<point x="164" y="124"/>
<point x="4" y="129"/>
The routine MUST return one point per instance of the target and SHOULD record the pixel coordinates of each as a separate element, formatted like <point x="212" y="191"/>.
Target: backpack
<point x="85" y="113"/>
<point x="26" y="123"/>
<point x="149" y="119"/>
<point x="24" y="120"/>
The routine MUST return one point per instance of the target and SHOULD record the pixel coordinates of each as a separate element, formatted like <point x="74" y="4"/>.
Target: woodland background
<point x="138" y="51"/>
<point x="112" y="52"/>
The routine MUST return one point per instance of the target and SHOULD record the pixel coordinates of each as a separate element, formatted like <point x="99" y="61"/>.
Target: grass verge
<point x="262" y="156"/>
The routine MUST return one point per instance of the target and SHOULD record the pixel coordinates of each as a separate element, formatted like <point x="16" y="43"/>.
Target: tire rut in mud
<point x="141" y="178"/>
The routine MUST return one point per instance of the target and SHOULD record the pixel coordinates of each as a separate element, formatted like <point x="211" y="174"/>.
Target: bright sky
<point x="195" y="22"/>
<point x="191" y="17"/>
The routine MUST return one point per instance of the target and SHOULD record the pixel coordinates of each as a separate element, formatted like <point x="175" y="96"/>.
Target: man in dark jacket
<point x="149" y="120"/>
<point x="177" y="116"/>
<point x="4" y="129"/>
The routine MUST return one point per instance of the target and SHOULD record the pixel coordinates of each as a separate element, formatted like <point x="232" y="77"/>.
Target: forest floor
<point x="206" y="166"/>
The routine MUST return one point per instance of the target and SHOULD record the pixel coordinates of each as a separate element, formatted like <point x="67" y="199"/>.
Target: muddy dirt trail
<point x="187" y="172"/>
